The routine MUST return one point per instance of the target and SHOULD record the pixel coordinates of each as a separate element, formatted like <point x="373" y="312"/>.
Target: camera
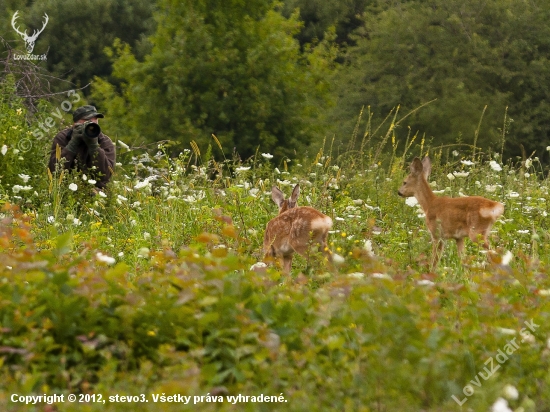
<point x="91" y="129"/>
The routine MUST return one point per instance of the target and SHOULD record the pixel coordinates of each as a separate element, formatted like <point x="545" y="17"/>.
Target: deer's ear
<point x="416" y="166"/>
<point x="277" y="196"/>
<point x="294" y="196"/>
<point x="427" y="166"/>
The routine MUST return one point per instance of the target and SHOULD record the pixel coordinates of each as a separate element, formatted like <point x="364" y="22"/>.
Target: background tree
<point x="77" y="33"/>
<point x="467" y="55"/>
<point x="319" y="16"/>
<point x="228" y="68"/>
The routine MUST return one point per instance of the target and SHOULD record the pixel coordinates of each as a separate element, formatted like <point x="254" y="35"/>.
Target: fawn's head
<point x="420" y="170"/>
<point x="285" y="204"/>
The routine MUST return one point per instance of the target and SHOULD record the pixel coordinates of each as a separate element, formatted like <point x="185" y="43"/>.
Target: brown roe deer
<point x="295" y="229"/>
<point x="450" y="218"/>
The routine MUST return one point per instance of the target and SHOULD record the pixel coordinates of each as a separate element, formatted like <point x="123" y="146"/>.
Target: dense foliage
<point x="154" y="288"/>
<point x="479" y="63"/>
<point x="157" y="286"/>
<point x="262" y="74"/>
<point x="232" y="69"/>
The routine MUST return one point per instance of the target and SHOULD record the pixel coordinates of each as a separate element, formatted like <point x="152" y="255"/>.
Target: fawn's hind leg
<point x="287" y="263"/>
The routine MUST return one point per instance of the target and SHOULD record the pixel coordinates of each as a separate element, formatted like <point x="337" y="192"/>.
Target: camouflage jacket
<point x="103" y="160"/>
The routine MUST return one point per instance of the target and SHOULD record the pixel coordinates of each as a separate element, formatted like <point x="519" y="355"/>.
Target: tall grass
<point x="148" y="287"/>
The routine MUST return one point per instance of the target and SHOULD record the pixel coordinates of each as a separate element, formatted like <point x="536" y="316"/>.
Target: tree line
<point x="284" y="76"/>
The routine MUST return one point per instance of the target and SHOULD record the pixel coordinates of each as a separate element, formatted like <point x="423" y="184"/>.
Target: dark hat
<point x="86" y="112"/>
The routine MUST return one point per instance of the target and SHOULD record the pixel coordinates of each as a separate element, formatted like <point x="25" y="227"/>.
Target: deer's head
<point x="420" y="170"/>
<point x="29" y="40"/>
<point x="285" y="204"/>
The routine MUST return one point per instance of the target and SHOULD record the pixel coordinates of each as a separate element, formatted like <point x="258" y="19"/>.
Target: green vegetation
<point x="152" y="287"/>
<point x="156" y="286"/>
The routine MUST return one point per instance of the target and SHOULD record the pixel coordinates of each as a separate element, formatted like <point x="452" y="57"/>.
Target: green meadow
<point x="154" y="287"/>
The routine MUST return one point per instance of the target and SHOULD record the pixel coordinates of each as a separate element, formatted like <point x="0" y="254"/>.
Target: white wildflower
<point x="146" y="235"/>
<point x="73" y="187"/>
<point x="411" y="201"/>
<point x="490" y="188"/>
<point x="121" y="198"/>
<point x="467" y="162"/>
<point x="101" y="194"/>
<point x="501" y="405"/>
<point x="50" y="219"/>
<point x="92" y="181"/>
<point x="523" y="231"/>
<point x="337" y="259"/>
<point x="143" y="252"/>
<point x="510" y="392"/>
<point x="267" y="155"/>
<point x="4" y="150"/>
<point x="258" y="265"/>
<point x="104" y="258"/>
<point x="356" y="275"/>
<point x="16" y="188"/>
<point x="24" y="177"/>
<point x="84" y="177"/>
<point x="381" y="276"/>
<point x="507" y="258"/>
<point x="543" y="292"/>
<point x="528" y="163"/>
<point x="120" y="254"/>
<point x="141" y="185"/>
<point x="455" y="153"/>
<point x="368" y="247"/>
<point x="425" y="282"/>
<point x="284" y="182"/>
<point x="76" y="222"/>
<point x="513" y="194"/>
<point x="461" y="174"/>
<point x="495" y="166"/>
<point x="242" y="169"/>
<point x="450" y="176"/>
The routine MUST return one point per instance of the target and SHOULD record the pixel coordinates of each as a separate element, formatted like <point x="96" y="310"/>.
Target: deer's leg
<point x="287" y="264"/>
<point x="481" y="238"/>
<point x="437" y="251"/>
<point x="460" y="246"/>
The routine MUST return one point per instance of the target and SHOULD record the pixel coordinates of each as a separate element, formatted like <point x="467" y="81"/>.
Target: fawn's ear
<point x="294" y="197"/>
<point x="427" y="166"/>
<point x="277" y="196"/>
<point x="416" y="166"/>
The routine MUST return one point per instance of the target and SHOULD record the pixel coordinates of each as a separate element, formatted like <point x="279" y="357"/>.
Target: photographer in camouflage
<point x="85" y="148"/>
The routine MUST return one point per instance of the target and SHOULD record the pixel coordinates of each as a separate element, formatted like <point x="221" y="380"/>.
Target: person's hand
<point x="77" y="139"/>
<point x="90" y="133"/>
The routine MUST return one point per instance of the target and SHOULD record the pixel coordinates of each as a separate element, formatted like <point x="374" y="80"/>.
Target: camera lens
<point x="92" y="129"/>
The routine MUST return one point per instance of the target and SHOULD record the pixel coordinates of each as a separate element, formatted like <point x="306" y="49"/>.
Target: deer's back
<point x="458" y="216"/>
<point x="296" y="224"/>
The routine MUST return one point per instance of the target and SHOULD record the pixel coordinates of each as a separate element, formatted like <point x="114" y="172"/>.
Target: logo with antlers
<point x="29" y="40"/>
